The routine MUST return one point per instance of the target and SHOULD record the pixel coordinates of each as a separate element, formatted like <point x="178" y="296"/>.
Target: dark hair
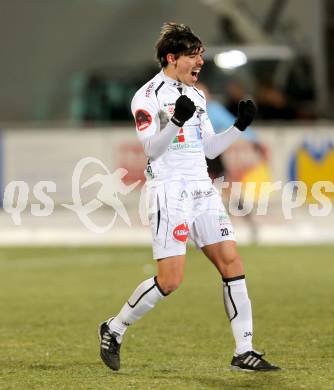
<point x="177" y="39"/>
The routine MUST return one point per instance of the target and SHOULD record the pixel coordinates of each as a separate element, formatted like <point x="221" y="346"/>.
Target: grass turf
<point x="52" y="300"/>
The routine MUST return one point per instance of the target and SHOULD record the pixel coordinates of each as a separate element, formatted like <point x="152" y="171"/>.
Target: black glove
<point x="184" y="110"/>
<point x="246" y="112"/>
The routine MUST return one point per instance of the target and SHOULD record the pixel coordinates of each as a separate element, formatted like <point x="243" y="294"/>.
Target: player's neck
<point x="170" y="72"/>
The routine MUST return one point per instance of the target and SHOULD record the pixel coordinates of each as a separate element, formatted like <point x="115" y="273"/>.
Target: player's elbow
<point x="149" y="153"/>
<point x="210" y="155"/>
<point x="151" y="150"/>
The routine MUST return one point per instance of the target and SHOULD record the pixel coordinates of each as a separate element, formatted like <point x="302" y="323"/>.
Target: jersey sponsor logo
<point x="180" y="232"/>
<point x="180" y="137"/>
<point x="184" y="145"/>
<point x="143" y="119"/>
<point x="194" y="138"/>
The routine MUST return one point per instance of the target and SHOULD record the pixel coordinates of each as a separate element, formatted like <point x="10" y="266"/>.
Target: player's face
<point x="186" y="68"/>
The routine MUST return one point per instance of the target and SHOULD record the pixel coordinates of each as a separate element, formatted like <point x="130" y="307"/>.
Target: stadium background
<point x="68" y="72"/>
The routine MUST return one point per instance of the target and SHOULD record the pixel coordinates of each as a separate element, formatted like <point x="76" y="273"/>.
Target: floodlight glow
<point x="230" y="59"/>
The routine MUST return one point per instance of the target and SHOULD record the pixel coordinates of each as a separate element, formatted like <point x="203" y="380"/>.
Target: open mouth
<point x="195" y="73"/>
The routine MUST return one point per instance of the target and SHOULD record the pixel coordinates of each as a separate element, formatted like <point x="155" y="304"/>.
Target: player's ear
<point x="171" y="59"/>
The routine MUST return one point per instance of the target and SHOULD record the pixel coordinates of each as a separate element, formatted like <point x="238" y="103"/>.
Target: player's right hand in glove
<point x="184" y="110"/>
<point x="246" y="113"/>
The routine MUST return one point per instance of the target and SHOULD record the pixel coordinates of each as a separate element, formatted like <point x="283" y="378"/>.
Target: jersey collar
<point x="170" y="81"/>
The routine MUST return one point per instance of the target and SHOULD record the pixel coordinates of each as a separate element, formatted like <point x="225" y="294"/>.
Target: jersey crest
<point x="143" y="119"/>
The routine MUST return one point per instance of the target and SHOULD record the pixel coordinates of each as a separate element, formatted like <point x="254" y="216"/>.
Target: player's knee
<point x="171" y="284"/>
<point x="231" y="259"/>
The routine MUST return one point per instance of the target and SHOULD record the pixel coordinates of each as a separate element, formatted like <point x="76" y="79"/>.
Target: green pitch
<point x="51" y="301"/>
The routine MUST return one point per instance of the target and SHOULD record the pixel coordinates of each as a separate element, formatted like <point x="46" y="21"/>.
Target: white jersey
<point x="152" y="107"/>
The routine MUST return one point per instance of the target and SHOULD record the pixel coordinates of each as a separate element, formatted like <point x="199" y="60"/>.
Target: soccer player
<point x="176" y="134"/>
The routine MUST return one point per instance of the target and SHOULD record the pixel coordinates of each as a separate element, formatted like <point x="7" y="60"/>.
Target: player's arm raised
<point x="216" y="144"/>
<point x="155" y="142"/>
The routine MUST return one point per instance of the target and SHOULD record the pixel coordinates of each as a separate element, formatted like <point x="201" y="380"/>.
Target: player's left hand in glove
<point x="246" y="113"/>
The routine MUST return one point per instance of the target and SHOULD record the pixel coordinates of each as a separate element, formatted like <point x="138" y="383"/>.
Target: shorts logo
<point x="183" y="195"/>
<point x="198" y="194"/>
<point x="180" y="232"/>
<point x="143" y="119"/>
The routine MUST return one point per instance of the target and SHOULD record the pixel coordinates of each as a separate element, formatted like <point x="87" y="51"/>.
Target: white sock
<point x="239" y="311"/>
<point x="143" y="299"/>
